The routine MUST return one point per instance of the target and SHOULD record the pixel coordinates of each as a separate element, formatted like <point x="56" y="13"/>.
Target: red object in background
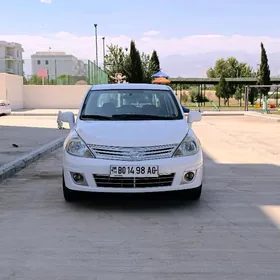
<point x="42" y="73"/>
<point x="272" y="106"/>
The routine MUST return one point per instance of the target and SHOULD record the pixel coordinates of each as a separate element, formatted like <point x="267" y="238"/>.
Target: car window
<point x="133" y="103"/>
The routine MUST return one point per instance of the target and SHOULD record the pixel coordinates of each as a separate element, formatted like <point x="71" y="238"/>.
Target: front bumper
<point x="89" y="167"/>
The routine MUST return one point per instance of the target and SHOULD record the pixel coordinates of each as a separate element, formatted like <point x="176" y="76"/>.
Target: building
<point x="57" y="63"/>
<point x="11" y="58"/>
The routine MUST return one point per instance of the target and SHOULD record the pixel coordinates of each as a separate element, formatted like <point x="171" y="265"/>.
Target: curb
<point x="11" y="168"/>
<point x="222" y="115"/>
<point x="263" y="117"/>
<point x="37" y="114"/>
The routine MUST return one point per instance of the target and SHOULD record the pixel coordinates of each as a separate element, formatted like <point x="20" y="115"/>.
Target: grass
<point x="209" y="107"/>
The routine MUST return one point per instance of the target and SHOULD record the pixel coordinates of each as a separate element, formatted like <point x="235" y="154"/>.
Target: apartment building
<point x="11" y="61"/>
<point x="57" y="63"/>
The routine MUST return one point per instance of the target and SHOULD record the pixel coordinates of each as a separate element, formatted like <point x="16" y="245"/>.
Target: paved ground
<point x="232" y="233"/>
<point x="27" y="132"/>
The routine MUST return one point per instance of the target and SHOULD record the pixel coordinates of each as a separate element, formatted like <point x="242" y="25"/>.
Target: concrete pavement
<point x="230" y="234"/>
<point x="29" y="133"/>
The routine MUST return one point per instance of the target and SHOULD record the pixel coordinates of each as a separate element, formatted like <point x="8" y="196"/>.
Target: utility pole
<point x="96" y="45"/>
<point x="103" y="53"/>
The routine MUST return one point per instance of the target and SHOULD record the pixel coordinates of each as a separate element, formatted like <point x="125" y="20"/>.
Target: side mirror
<point x="194" y="116"/>
<point x="67" y="117"/>
<point x="185" y="109"/>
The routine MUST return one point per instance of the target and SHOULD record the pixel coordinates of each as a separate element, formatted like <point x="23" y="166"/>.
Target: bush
<point x="196" y="97"/>
<point x="184" y="98"/>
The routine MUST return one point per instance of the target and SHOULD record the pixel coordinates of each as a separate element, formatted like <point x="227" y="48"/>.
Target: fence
<point x="96" y="75"/>
<point x="58" y="70"/>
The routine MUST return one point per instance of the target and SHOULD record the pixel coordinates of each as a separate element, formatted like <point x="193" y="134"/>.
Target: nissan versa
<point x="131" y="138"/>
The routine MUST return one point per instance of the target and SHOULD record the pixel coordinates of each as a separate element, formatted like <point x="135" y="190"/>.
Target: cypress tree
<point x="136" y="74"/>
<point x="264" y="72"/>
<point x="154" y="63"/>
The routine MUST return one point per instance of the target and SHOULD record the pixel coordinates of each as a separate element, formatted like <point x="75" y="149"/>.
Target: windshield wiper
<point x="95" y="117"/>
<point x="141" y="117"/>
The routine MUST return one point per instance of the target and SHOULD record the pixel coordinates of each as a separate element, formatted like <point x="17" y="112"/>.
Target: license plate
<point x="134" y="171"/>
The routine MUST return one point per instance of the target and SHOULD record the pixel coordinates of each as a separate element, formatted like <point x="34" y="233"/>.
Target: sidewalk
<point x="41" y="112"/>
<point x="273" y="117"/>
<point x="54" y="112"/>
<point x="27" y="137"/>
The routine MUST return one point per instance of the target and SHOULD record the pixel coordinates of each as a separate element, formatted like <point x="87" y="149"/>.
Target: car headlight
<point x="75" y="146"/>
<point x="188" y="147"/>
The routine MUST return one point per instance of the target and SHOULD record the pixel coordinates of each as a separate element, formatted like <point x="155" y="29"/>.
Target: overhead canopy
<point x="161" y="80"/>
<point x="159" y="75"/>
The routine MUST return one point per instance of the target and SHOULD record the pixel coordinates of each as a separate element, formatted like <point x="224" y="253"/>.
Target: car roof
<point x="130" y="86"/>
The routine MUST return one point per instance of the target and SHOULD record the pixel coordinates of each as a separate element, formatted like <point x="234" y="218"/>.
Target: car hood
<point x="132" y="133"/>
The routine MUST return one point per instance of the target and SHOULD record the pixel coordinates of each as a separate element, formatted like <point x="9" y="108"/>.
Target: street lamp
<point x="103" y="38"/>
<point x="96" y="45"/>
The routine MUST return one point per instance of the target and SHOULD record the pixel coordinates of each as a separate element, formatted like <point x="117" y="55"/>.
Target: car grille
<point x="106" y="181"/>
<point x="133" y="153"/>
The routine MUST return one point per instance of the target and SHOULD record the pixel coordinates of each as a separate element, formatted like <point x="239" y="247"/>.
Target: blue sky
<point x="176" y="18"/>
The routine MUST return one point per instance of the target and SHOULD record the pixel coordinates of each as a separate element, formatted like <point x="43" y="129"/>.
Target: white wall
<point x="14" y="91"/>
<point x="53" y="97"/>
<point x="11" y="88"/>
<point x="2" y="86"/>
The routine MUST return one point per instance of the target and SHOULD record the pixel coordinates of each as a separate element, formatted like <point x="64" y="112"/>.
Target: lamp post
<point x="96" y="45"/>
<point x="103" y="53"/>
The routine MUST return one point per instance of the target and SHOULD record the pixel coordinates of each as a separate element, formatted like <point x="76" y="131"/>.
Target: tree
<point x="239" y="92"/>
<point x="223" y="90"/>
<point x="231" y="68"/>
<point x="253" y="96"/>
<point x="34" y="80"/>
<point x="119" y="60"/>
<point x="196" y="97"/>
<point x="147" y="76"/>
<point x="154" y="63"/>
<point x="136" y="74"/>
<point x="116" y="61"/>
<point x="264" y="72"/>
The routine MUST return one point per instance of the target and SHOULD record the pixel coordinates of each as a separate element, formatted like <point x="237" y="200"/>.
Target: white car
<point x="5" y="108"/>
<point x="116" y="146"/>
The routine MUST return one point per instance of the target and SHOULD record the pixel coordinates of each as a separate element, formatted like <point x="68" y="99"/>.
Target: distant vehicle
<point x="5" y="108"/>
<point x="131" y="138"/>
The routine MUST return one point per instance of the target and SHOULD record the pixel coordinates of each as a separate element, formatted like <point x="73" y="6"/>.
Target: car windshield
<point x="131" y="104"/>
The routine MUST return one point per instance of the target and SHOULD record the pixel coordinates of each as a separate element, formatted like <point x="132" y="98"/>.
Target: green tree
<point x="223" y="90"/>
<point x="253" y="96"/>
<point x="230" y="68"/>
<point x="264" y="72"/>
<point x="130" y="64"/>
<point x="154" y="63"/>
<point x="136" y="74"/>
<point x="34" y="80"/>
<point x="116" y="61"/>
<point x="196" y="95"/>
<point x="147" y="76"/>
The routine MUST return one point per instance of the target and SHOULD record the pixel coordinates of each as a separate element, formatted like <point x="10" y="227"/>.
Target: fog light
<point x="79" y="178"/>
<point x="188" y="176"/>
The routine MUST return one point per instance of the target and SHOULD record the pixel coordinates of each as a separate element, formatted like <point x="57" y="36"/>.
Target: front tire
<point x="68" y="194"/>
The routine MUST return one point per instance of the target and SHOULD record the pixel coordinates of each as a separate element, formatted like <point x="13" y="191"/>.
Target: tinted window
<point x="131" y="104"/>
